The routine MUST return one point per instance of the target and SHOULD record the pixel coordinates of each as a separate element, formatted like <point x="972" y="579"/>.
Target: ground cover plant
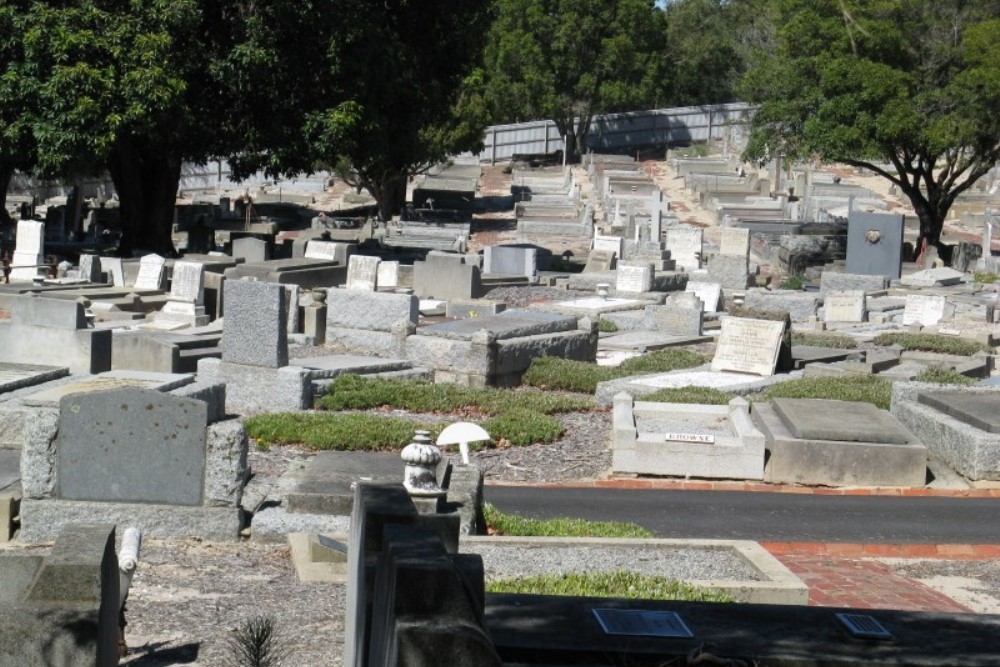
<point x="582" y="376"/>
<point x="513" y="525"/>
<point x="838" y="341"/>
<point x="694" y="395"/>
<point x="616" y="584"/>
<point x="925" y="342"/>
<point x="340" y="432"/>
<point x="943" y="375"/>
<point x="860" y="388"/>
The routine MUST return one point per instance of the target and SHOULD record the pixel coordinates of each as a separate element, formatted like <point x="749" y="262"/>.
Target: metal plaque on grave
<point x="132" y="445"/>
<point x="748" y="346"/>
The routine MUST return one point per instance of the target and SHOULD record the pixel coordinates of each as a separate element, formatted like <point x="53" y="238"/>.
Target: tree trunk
<point x="390" y="193"/>
<point x="146" y="179"/>
<point x="931" y="216"/>
<point x="6" y="174"/>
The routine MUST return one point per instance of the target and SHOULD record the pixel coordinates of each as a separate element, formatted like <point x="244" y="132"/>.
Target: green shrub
<point x="513" y="525"/>
<point x="524" y="427"/>
<point x="838" y="341"/>
<point x="353" y="392"/>
<point x="606" y="326"/>
<point x="582" y="376"/>
<point x="696" y="395"/>
<point x="985" y="278"/>
<point x="794" y="282"/>
<point x="617" y="584"/>
<point x="341" y="432"/>
<point x="926" y="342"/>
<point x="943" y="375"/>
<point x="860" y="388"/>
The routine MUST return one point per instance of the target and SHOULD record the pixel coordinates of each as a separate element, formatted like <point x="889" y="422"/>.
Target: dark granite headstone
<point x="875" y="244"/>
<point x="132" y="445"/>
<point x="979" y="410"/>
<point x="844" y="421"/>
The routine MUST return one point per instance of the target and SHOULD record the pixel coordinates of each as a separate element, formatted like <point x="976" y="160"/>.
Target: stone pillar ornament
<point x="420" y="475"/>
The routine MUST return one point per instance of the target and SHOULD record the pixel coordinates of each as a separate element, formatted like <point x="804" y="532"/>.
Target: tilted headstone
<point x="926" y="310"/>
<point x="633" y="278"/>
<point x="599" y="261"/>
<point x="113" y="266"/>
<point x="362" y="272"/>
<point x="875" y="244"/>
<point x="709" y="294"/>
<point x="255" y="331"/>
<point x="150" y="272"/>
<point x="28" y="250"/>
<point x="846" y="306"/>
<point x="735" y="241"/>
<point x="748" y="346"/>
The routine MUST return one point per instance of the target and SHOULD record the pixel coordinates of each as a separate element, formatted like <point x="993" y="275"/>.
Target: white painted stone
<point x="748" y="346"/>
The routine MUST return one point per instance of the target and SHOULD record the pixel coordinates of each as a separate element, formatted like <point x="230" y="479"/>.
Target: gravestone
<point x="185" y="305"/>
<point x="129" y="445"/>
<point x="846" y="306"/>
<point x="709" y="294"/>
<point x="633" y="278"/>
<point x="255" y="332"/>
<point x="510" y="260"/>
<point x="362" y="272"/>
<point x="387" y="274"/>
<point x="599" y="261"/>
<point x="90" y="268"/>
<point x="609" y="244"/>
<point x="684" y="244"/>
<point x="292" y="300"/>
<point x="150" y="272"/>
<point x="680" y="315"/>
<point x="875" y="244"/>
<point x="323" y="250"/>
<point x="113" y="266"/>
<point x="735" y="241"/>
<point x="28" y="250"/>
<point x="748" y="346"/>
<point x="926" y="309"/>
<point x="251" y="249"/>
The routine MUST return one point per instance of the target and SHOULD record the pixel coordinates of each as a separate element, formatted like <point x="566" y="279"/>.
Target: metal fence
<point x="618" y="132"/>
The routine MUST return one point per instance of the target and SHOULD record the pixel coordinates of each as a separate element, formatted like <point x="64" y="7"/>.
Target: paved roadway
<point x="777" y="517"/>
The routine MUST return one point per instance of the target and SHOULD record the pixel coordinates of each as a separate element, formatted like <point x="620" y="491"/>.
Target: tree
<point x="908" y="89"/>
<point x="16" y="140"/>
<point x="568" y="60"/>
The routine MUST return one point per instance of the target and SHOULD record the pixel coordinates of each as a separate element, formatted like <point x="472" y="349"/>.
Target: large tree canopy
<point x="909" y="89"/>
<point x="567" y="60"/>
<point x="17" y="151"/>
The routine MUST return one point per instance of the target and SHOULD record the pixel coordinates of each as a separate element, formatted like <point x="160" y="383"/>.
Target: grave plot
<point x="680" y="440"/>
<point x="961" y="425"/>
<point x="677" y="322"/>
<point x="838" y="443"/>
<point x="54" y="332"/>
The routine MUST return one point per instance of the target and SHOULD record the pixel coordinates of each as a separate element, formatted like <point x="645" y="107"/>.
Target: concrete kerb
<point x="778" y="585"/>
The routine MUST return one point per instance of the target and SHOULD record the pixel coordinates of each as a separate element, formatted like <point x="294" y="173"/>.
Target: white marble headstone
<point x="634" y="278"/>
<point x="748" y="346"/>
<point x="28" y="250"/>
<point x="709" y="294"/>
<point x="845" y="306"/>
<point x="735" y="241"/>
<point x="187" y="282"/>
<point x="926" y="310"/>
<point x="609" y="244"/>
<point x="362" y="272"/>
<point x="150" y="272"/>
<point x="684" y="244"/>
<point x="113" y="266"/>
<point x="321" y="250"/>
<point x="388" y="274"/>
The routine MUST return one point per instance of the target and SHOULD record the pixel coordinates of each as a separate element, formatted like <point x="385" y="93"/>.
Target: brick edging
<point x="847" y="550"/>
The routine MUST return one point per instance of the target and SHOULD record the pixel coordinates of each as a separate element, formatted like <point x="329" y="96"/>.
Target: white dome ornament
<point x="461" y="434"/>
<point x="420" y="474"/>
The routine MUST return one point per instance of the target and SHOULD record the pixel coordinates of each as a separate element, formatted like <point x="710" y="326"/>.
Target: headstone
<point x="188" y="282"/>
<point x="150" y="272"/>
<point x="255" y="332"/>
<point x="847" y="306"/>
<point x="599" y="261"/>
<point x="748" y="346"/>
<point x="132" y="445"/>
<point x="113" y="266"/>
<point x="609" y="244"/>
<point x="633" y="279"/>
<point x="362" y="272"/>
<point x="251" y="249"/>
<point x="684" y="244"/>
<point x="90" y="268"/>
<point x="875" y="244"/>
<point x="321" y="250"/>
<point x="734" y="241"/>
<point x="387" y="274"/>
<point x="709" y="294"/>
<point x="510" y="260"/>
<point x="28" y="251"/>
<point x="679" y="315"/>
<point x="926" y="310"/>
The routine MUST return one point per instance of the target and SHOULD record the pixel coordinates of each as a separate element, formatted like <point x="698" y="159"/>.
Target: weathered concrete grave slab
<point x="326" y="485"/>
<point x="646" y="341"/>
<point x="838" y="443"/>
<point x="748" y="346"/>
<point x="109" y="380"/>
<point x="18" y="376"/>
<point x="508" y="324"/>
<point x="638" y="385"/>
<point x="10" y="470"/>
<point x="979" y="410"/>
<point x="594" y="305"/>
<point x="109" y="451"/>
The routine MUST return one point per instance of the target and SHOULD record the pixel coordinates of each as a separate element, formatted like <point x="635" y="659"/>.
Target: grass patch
<point x="943" y="375"/>
<point x="524" y="427"/>
<point x="501" y="523"/>
<point x="353" y="392"/>
<point x="985" y="278"/>
<point x="617" y="584"/>
<point x="860" y="388"/>
<point x="696" y="395"/>
<point x="582" y="376"/>
<point x="931" y="343"/>
<point x="837" y="341"/>
<point x="350" y="432"/>
<point x="606" y="326"/>
<point x="794" y="282"/>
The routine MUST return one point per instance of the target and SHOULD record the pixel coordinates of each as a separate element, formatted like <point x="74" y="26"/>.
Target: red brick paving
<point x="863" y="584"/>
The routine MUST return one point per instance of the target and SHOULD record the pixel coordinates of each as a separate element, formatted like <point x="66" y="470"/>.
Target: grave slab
<point x="646" y="341"/>
<point x="109" y="380"/>
<point x="822" y="419"/>
<point x="18" y="376"/>
<point x="508" y="324"/>
<point x="981" y="411"/>
<point x="702" y="376"/>
<point x="326" y="485"/>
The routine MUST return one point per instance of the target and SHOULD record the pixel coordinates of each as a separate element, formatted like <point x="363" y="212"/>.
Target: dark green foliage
<point x="838" y="341"/>
<point x="859" y="388"/>
<point x="694" y="395"/>
<point x="931" y="343"/>
<point x="617" y="584"/>
<point x="524" y="427"/>
<point x="795" y="282"/>
<point x="606" y="326"/>
<point x="256" y="643"/>
<point x="500" y="523"/>
<point x="942" y="375"/>
<point x="582" y="376"/>
<point x="340" y="432"/>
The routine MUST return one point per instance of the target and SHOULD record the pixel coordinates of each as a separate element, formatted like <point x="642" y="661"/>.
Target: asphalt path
<point x="777" y="517"/>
